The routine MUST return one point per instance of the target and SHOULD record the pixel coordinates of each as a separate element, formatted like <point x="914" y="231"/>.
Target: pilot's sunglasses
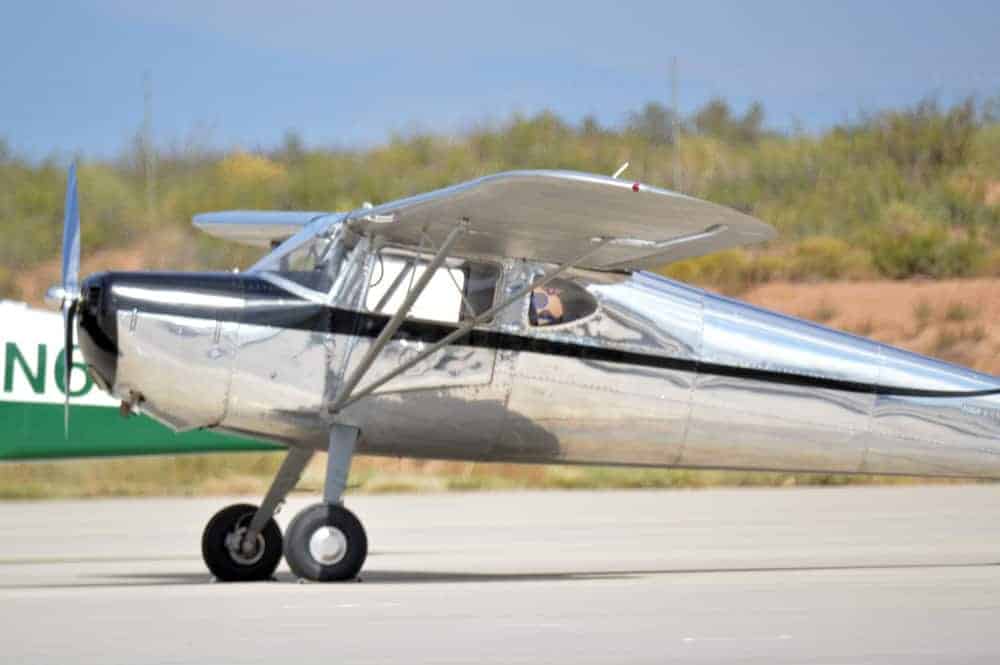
<point x="539" y="300"/>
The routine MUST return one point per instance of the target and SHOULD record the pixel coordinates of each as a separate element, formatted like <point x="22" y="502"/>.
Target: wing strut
<point x="469" y="309"/>
<point x="391" y="291"/>
<point x="397" y="319"/>
<point x="347" y="398"/>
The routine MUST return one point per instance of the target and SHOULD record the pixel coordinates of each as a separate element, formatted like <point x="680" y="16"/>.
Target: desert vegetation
<point x="890" y="228"/>
<point x="897" y="194"/>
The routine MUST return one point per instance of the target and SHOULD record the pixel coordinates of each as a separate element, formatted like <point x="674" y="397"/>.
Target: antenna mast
<point x="148" y="150"/>
<point x="675" y="136"/>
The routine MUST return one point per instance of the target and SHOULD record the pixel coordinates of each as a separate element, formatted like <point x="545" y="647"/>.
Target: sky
<point x="242" y="73"/>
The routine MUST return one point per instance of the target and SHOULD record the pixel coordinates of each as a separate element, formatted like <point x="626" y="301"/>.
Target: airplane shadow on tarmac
<point x="438" y="577"/>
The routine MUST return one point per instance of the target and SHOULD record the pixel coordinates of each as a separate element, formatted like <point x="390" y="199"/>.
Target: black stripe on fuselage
<point x="370" y="325"/>
<point x="269" y="305"/>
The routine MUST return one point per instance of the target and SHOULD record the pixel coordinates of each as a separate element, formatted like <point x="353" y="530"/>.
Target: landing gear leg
<point x="326" y="542"/>
<point x="243" y="542"/>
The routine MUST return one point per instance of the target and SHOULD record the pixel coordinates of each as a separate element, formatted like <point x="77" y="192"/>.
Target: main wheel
<point x="225" y="554"/>
<point x="326" y="543"/>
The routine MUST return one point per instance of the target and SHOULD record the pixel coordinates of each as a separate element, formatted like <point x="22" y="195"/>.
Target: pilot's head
<point x="546" y="306"/>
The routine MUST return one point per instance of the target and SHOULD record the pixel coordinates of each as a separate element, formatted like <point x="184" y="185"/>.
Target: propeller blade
<point x="71" y="239"/>
<point x="69" y="313"/>
<point x="70" y="289"/>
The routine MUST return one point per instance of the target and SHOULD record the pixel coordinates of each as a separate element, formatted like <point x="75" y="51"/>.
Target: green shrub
<point x="959" y="311"/>
<point x="8" y="284"/>
<point x="823" y="257"/>
<point x="909" y="245"/>
<point x="731" y="271"/>
<point x="991" y="265"/>
<point x="906" y="192"/>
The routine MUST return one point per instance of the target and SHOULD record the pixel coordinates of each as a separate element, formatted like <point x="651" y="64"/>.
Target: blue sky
<point x="243" y="72"/>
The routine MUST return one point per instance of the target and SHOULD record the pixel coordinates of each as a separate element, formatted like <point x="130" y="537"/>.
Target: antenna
<point x="675" y="136"/>
<point x="148" y="150"/>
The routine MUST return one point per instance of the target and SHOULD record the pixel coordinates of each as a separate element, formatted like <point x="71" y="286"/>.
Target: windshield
<point x="307" y="257"/>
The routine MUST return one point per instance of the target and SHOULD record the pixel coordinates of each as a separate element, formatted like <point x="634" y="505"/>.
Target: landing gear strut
<point x="325" y="542"/>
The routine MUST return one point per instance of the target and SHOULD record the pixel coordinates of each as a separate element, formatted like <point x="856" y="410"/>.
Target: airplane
<point x="511" y="318"/>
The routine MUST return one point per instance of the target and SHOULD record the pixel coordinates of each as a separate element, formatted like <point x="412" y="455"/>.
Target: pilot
<point x="546" y="306"/>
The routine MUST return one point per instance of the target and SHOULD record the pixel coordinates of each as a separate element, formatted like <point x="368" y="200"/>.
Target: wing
<point x="261" y="228"/>
<point x="554" y="216"/>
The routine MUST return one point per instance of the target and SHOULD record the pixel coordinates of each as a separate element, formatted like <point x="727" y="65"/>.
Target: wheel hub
<point x="328" y="545"/>
<point x="242" y="551"/>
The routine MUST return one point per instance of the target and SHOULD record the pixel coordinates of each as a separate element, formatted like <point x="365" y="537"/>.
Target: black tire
<point x="231" y="566"/>
<point x="341" y="566"/>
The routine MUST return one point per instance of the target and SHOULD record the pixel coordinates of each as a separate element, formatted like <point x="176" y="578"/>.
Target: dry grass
<point x="825" y="313"/>
<point x="922" y="314"/>
<point x="933" y="318"/>
<point x="250" y="473"/>
<point x="865" y="328"/>
<point x="958" y="312"/>
<point x="168" y="248"/>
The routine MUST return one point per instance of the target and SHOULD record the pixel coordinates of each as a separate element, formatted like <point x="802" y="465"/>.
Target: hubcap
<point x="328" y="545"/>
<point x="245" y="554"/>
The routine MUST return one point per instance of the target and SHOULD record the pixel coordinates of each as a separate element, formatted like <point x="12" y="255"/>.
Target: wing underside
<point x="260" y="228"/>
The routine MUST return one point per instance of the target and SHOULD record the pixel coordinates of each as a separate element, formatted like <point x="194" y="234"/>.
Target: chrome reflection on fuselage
<point x="662" y="374"/>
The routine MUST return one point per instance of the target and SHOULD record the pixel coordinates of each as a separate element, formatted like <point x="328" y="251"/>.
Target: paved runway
<point x="873" y="575"/>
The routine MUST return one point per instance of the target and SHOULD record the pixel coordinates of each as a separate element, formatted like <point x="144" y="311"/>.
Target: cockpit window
<point x="560" y="301"/>
<point x="308" y="258"/>
<point x="458" y="291"/>
<point x="310" y="265"/>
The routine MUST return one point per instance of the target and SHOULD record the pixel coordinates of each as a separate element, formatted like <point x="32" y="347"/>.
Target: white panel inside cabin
<point x="440" y="301"/>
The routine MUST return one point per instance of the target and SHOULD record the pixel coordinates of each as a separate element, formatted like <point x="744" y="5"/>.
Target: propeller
<point x="67" y="294"/>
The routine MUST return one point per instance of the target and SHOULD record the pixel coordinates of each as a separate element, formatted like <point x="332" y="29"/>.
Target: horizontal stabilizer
<point x="260" y="228"/>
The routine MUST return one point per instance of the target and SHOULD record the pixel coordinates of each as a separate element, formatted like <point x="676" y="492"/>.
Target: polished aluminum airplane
<point x="505" y="319"/>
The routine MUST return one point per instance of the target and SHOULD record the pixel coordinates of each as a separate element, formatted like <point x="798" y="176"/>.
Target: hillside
<point x="895" y="194"/>
<point x="955" y="320"/>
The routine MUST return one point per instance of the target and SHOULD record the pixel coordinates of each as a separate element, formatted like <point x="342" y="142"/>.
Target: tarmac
<point x="821" y="575"/>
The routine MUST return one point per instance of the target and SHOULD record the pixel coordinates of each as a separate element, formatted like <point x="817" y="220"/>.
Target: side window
<point x="458" y="291"/>
<point x="560" y="301"/>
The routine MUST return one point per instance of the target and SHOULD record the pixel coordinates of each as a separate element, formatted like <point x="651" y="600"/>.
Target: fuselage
<point x="659" y="374"/>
